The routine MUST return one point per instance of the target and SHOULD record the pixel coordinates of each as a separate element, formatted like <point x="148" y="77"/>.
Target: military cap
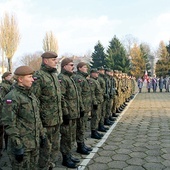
<point x="23" y="71"/>
<point x="108" y="69"/>
<point x="49" y="54"/>
<point x="93" y="70"/>
<point x="6" y="74"/>
<point x="66" y="61"/>
<point x="81" y="64"/>
<point x="100" y="68"/>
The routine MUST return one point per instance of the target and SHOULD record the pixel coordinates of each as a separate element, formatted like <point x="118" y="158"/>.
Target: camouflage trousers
<point x="108" y="107"/>
<point x="30" y="161"/>
<point x="48" y="155"/>
<point x="115" y="104"/>
<point x="81" y="128"/>
<point x="102" y="114"/>
<point x="95" y="117"/>
<point x="68" y="137"/>
<point x="1" y="137"/>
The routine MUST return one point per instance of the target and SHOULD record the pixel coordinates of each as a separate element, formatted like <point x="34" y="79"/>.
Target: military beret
<point x="66" y="61"/>
<point x="93" y="70"/>
<point x="108" y="69"/>
<point x="100" y="68"/>
<point x="6" y="74"/>
<point x="49" y="54"/>
<point x="81" y="64"/>
<point x="23" y="70"/>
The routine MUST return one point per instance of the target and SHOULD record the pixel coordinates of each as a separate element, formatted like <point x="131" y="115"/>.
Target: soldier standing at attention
<point x="46" y="87"/>
<point x="85" y="98"/>
<point x="21" y="119"/>
<point x="97" y="100"/>
<point x="101" y="79"/>
<point x="5" y="87"/>
<point x="71" y="111"/>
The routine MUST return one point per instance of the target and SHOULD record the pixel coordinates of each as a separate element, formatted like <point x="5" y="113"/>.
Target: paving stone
<point x="138" y="154"/>
<point x="153" y="166"/>
<point x="135" y="161"/>
<point x="133" y="168"/>
<point x="155" y="159"/>
<point x="166" y="156"/>
<point x="103" y="159"/>
<point x="119" y="157"/>
<point x="117" y="164"/>
<point x="125" y="151"/>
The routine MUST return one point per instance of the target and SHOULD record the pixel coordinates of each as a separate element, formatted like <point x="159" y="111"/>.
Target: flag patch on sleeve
<point x="8" y="101"/>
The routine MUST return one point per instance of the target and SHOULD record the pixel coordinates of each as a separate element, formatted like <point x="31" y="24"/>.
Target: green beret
<point x="66" y="61"/>
<point x="49" y="54"/>
<point x="93" y="70"/>
<point x="100" y="68"/>
<point x="6" y="74"/>
<point x="23" y="71"/>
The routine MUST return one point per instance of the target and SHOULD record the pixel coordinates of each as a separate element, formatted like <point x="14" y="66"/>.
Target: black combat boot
<point x="99" y="134"/>
<point x="101" y="128"/>
<point x="88" y="148"/>
<point x="114" y="114"/>
<point x="81" y="149"/>
<point x="76" y="160"/>
<point x="68" y="162"/>
<point x="95" y="135"/>
<point x="108" y="122"/>
<point x="111" y="118"/>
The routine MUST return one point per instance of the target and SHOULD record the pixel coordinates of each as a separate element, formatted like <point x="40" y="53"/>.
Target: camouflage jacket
<point x="101" y="80"/>
<point x="46" y="87"/>
<point x="70" y="99"/>
<point x="97" y="92"/>
<point x="21" y="118"/>
<point x="5" y="87"/>
<point x="84" y="90"/>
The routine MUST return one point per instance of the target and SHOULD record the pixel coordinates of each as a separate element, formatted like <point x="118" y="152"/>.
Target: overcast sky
<point x="79" y="24"/>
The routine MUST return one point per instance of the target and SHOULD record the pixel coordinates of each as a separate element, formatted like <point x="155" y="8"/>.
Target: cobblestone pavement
<point x="138" y="140"/>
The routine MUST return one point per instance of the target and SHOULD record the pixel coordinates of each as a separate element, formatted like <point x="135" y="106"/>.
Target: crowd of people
<point x="44" y="113"/>
<point x="154" y="83"/>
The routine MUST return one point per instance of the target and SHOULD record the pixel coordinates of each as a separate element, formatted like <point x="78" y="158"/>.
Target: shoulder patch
<point x="79" y="80"/>
<point x="59" y="81"/>
<point x="8" y="101"/>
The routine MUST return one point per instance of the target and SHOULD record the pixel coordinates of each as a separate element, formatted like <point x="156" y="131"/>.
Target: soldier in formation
<point x="64" y="102"/>
<point x="21" y="119"/>
<point x="5" y="87"/>
<point x="46" y="87"/>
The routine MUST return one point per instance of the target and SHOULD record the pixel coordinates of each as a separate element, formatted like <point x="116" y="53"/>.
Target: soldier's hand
<point x="43" y="141"/>
<point x="66" y="120"/>
<point x="95" y="107"/>
<point x="19" y="154"/>
<point x="82" y="113"/>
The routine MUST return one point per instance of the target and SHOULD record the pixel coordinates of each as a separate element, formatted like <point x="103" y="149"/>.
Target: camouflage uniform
<point x="85" y="99"/>
<point x="71" y="109"/>
<point x="21" y="119"/>
<point x="102" y="82"/>
<point x="46" y="87"/>
<point x="5" y="87"/>
<point x="97" y="100"/>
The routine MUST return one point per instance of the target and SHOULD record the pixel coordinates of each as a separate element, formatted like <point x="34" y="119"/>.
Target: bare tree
<point x="10" y="37"/>
<point x="32" y="60"/>
<point x="50" y="42"/>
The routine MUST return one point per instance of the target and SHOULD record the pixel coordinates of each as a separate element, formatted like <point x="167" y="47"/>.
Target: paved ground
<point x="139" y="139"/>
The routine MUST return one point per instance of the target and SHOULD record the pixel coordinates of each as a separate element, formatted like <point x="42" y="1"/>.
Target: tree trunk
<point x="10" y="64"/>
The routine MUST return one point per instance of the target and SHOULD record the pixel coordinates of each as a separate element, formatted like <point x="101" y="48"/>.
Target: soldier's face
<point x="95" y="75"/>
<point x="26" y="81"/>
<point x="52" y="62"/>
<point x="69" y="67"/>
<point x="84" y="69"/>
<point x="101" y="71"/>
<point x="8" y="77"/>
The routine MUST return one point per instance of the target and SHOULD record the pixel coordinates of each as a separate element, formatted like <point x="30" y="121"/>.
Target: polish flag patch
<point x="8" y="101"/>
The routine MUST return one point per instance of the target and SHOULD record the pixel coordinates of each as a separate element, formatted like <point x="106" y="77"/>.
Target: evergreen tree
<point x="98" y="56"/>
<point x="116" y="58"/>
